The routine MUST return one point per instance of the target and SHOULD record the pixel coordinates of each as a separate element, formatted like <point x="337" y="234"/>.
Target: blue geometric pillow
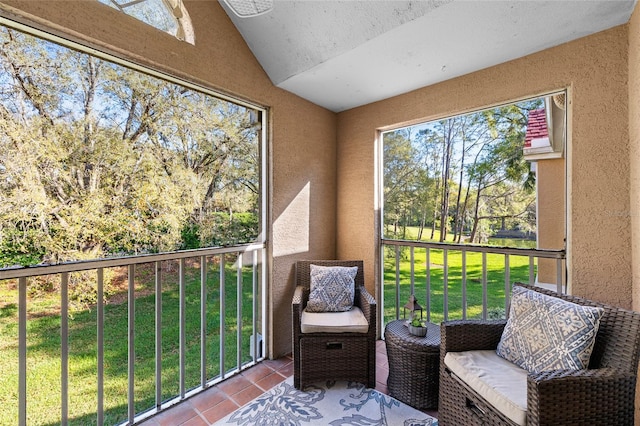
<point x="332" y="288"/>
<point x="544" y="333"/>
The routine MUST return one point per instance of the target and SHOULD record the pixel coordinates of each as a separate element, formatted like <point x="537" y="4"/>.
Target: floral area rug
<point x="331" y="403"/>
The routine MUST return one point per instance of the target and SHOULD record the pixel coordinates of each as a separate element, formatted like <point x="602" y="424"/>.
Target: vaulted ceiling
<point x="343" y="54"/>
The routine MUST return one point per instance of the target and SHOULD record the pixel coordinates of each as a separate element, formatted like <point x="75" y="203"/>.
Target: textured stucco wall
<point x="634" y="156"/>
<point x="634" y="144"/>
<point x="551" y="214"/>
<point x="595" y="71"/>
<point x="303" y="135"/>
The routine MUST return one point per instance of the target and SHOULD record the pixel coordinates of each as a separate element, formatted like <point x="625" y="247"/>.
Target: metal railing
<point x="437" y="280"/>
<point x="249" y="261"/>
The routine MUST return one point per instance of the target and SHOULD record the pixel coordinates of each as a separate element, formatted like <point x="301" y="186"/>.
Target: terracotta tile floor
<point x="216" y="402"/>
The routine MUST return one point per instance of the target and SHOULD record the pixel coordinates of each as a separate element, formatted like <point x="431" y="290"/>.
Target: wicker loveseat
<point x="339" y="355"/>
<point x="604" y="393"/>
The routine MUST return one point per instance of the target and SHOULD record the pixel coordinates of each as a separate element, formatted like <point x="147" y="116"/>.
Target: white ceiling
<point x="343" y="54"/>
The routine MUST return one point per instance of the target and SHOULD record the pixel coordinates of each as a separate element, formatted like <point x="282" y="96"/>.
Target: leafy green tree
<point x="467" y="173"/>
<point x="501" y="167"/>
<point x="97" y="159"/>
<point x="401" y="177"/>
<point x="443" y="134"/>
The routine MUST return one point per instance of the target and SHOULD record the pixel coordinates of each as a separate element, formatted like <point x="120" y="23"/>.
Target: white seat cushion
<point x="500" y="382"/>
<point x="351" y="321"/>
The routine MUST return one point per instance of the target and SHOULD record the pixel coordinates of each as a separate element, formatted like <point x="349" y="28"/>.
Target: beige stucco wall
<point x="634" y="144"/>
<point x="303" y="174"/>
<point x="634" y="155"/>
<point x="550" y="214"/>
<point x="595" y="71"/>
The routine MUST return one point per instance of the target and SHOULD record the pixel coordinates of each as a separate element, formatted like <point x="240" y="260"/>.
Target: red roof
<point x="536" y="126"/>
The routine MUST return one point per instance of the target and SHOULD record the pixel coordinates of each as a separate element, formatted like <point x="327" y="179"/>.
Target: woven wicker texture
<point x="603" y="394"/>
<point x="413" y="364"/>
<point x="333" y="356"/>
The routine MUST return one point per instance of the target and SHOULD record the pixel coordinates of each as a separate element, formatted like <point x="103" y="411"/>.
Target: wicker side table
<point x="414" y="364"/>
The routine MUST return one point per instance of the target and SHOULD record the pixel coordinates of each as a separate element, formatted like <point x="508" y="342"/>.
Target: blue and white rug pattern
<point x="331" y="403"/>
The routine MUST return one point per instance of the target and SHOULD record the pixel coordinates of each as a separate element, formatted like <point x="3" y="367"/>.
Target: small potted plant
<point x="417" y="327"/>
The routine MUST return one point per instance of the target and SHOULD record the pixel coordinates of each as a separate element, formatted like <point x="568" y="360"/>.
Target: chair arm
<point x="300" y="296"/>
<point x="596" y="396"/>
<point x="470" y="335"/>
<point x="367" y="304"/>
<point x="298" y="303"/>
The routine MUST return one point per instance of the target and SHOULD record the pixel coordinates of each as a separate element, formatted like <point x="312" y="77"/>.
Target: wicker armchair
<point x="603" y="394"/>
<point x="333" y="356"/>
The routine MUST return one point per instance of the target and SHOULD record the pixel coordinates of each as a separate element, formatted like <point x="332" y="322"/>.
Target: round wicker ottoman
<point x="414" y="364"/>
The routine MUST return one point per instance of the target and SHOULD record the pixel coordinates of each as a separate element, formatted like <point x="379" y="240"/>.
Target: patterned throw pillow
<point x="332" y="288"/>
<point x="545" y="333"/>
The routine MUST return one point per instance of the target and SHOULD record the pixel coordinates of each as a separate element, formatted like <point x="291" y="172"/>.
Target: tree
<point x="464" y="172"/>
<point x="400" y="179"/>
<point x="501" y="164"/>
<point x="97" y="159"/>
<point x="472" y="134"/>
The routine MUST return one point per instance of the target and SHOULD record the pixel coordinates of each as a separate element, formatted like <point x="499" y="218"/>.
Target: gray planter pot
<point x="418" y="331"/>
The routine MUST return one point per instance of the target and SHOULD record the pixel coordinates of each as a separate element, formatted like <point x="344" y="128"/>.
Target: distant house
<point x="537" y="136"/>
<point x="546" y="131"/>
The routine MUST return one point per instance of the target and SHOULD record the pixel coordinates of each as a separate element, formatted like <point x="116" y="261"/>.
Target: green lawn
<point x="519" y="271"/>
<point x="43" y="353"/>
